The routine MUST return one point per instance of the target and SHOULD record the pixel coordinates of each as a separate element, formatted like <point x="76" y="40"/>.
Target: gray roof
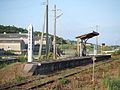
<point x="11" y="41"/>
<point x="14" y="35"/>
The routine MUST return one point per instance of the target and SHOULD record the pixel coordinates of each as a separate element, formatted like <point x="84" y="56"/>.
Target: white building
<point x="19" y="41"/>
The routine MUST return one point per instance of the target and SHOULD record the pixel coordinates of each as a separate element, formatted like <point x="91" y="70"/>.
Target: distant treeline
<point x="11" y="29"/>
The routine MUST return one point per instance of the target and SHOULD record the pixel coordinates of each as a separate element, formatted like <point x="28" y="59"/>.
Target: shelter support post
<point x="78" y="47"/>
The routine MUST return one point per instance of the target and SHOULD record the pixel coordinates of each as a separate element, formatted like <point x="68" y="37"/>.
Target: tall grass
<point x="112" y="84"/>
<point x="119" y="71"/>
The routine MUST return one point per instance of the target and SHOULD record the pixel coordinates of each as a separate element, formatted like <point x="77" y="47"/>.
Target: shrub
<point x="8" y="53"/>
<point x="22" y="59"/>
<point x="2" y="65"/>
<point x="116" y="53"/>
<point x="42" y="57"/>
<point x="50" y="56"/>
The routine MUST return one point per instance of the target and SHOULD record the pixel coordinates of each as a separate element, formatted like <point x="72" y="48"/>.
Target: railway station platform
<point x="47" y="66"/>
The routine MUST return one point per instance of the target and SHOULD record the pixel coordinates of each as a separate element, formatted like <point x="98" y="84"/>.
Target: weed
<point x="18" y="78"/>
<point x="76" y="84"/>
<point x="53" y="88"/>
<point x="63" y="81"/>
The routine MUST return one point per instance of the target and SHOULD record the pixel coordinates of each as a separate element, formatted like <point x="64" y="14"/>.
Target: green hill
<point x="11" y="29"/>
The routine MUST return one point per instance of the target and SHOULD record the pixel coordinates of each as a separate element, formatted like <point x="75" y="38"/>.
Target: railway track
<point x="39" y="82"/>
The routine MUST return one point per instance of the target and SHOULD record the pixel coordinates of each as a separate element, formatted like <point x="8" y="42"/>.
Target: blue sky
<point x="79" y="17"/>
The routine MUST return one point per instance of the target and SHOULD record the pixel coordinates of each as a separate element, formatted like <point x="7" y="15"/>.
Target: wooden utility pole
<point x="47" y="44"/>
<point x="54" y="38"/>
<point x="41" y="40"/>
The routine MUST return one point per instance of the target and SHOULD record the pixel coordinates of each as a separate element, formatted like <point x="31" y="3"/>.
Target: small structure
<point x="81" y="42"/>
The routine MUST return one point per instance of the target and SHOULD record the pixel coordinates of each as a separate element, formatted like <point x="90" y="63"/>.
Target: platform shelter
<point x="81" y="42"/>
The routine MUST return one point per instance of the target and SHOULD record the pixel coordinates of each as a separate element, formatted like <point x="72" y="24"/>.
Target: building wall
<point x="11" y="46"/>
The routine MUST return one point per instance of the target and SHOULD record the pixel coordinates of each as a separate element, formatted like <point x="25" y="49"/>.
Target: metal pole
<point x="47" y="46"/>
<point x="96" y="40"/>
<point x="54" y="48"/>
<point x="81" y="47"/>
<point x="93" y="77"/>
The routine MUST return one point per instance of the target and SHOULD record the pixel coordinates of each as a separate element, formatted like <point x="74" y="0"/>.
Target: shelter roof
<point x="87" y="36"/>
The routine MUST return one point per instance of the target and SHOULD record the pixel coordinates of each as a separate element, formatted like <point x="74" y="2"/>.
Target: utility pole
<point x="54" y="39"/>
<point x="96" y="40"/>
<point x="41" y="40"/>
<point x="47" y="44"/>
<point x="61" y="43"/>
